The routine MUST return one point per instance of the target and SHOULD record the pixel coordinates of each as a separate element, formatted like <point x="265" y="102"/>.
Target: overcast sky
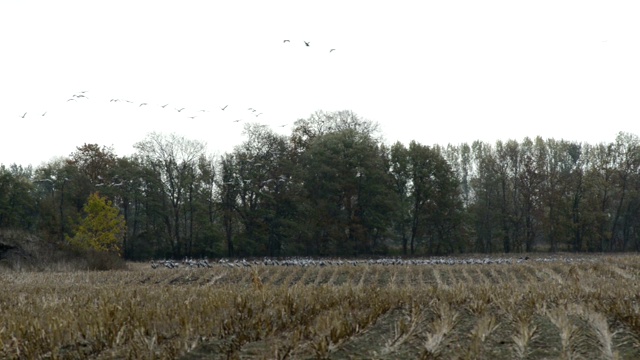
<point x="431" y="71"/>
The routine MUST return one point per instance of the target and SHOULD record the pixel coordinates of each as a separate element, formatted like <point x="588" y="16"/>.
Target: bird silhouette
<point x="114" y="100"/>
<point x="44" y="113"/>
<point x="143" y="104"/>
<point x="71" y="100"/>
<point x="192" y="117"/>
<point x="286" y="41"/>
<point x="332" y="50"/>
<point x="164" y="106"/>
<point x="224" y="107"/>
<point x="266" y="182"/>
<point x="237" y="120"/>
<point x="23" y="115"/>
<point x="307" y="43"/>
<point x="178" y="110"/>
<point x="258" y="114"/>
<point x="203" y="110"/>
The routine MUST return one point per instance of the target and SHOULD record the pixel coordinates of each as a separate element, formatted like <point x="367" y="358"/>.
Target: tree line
<point x="334" y="188"/>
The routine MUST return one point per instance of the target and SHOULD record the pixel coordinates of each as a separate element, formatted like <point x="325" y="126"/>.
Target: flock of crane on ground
<point x="189" y="263"/>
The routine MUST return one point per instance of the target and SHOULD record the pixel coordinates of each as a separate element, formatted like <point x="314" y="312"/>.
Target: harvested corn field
<point x="539" y="308"/>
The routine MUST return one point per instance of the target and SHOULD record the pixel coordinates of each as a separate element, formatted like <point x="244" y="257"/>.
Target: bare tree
<point x="175" y="160"/>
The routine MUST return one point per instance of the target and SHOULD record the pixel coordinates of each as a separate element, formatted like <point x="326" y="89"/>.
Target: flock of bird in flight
<point x="307" y="44"/>
<point x="82" y="96"/>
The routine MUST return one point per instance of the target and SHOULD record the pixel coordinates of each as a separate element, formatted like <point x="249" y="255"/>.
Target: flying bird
<point x="237" y="120"/>
<point x="114" y="100"/>
<point x="286" y="41"/>
<point x="44" y="113"/>
<point x="23" y="115"/>
<point x="163" y="106"/>
<point x="178" y="110"/>
<point x="143" y="104"/>
<point x="258" y="114"/>
<point x="71" y="100"/>
<point x="266" y="182"/>
<point x="203" y="110"/>
<point x="224" y="107"/>
<point x="307" y="43"/>
<point x="332" y="50"/>
<point x="192" y="117"/>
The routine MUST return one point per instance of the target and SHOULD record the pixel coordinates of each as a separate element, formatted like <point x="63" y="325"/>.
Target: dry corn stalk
<point x="439" y="330"/>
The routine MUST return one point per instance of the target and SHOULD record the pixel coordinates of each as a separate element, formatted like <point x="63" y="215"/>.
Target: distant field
<point x="586" y="307"/>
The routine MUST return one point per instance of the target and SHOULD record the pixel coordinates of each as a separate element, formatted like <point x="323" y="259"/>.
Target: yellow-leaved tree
<point x="102" y="228"/>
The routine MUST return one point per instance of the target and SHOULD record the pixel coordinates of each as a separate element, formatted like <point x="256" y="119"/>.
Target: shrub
<point x="102" y="228"/>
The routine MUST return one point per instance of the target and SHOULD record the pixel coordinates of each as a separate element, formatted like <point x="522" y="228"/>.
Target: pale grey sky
<point x="431" y="71"/>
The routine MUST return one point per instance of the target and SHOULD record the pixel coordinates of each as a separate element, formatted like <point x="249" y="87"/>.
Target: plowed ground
<point x="586" y="309"/>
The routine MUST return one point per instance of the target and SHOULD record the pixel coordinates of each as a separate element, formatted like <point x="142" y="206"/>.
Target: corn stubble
<point x="580" y="310"/>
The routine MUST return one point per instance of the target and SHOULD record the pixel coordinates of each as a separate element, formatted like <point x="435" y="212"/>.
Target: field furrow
<point x="533" y="309"/>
